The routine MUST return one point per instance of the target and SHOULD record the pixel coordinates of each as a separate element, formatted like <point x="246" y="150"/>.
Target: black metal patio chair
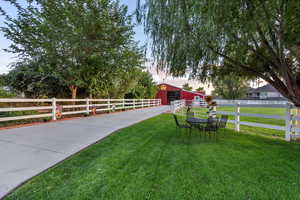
<point x="223" y="121"/>
<point x="190" y="114"/>
<point x="180" y="125"/>
<point x="211" y="127"/>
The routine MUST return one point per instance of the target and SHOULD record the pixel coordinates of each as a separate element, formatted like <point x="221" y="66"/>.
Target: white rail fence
<point x="52" y="107"/>
<point x="226" y="101"/>
<point x="291" y="117"/>
<point x="177" y="105"/>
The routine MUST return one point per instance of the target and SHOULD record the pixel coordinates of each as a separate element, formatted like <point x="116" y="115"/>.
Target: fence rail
<point x="55" y="106"/>
<point x="291" y="117"/>
<point x="226" y="101"/>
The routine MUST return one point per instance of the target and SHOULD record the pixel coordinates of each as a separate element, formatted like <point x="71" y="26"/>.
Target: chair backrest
<point x="223" y="121"/>
<point x="190" y="115"/>
<point x="188" y="108"/>
<point x="213" y="123"/>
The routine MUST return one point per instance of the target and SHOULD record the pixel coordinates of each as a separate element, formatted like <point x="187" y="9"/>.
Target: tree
<point x="36" y="81"/>
<point x="3" y="80"/>
<point x="116" y="82"/>
<point x="124" y="82"/>
<point x="230" y="86"/>
<point x="4" y="91"/>
<point x="255" y="38"/>
<point x="130" y="82"/>
<point x="145" y="88"/>
<point x="187" y="87"/>
<point x="81" y="41"/>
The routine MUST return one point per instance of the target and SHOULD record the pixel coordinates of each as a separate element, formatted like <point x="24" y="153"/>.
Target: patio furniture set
<point x="209" y="125"/>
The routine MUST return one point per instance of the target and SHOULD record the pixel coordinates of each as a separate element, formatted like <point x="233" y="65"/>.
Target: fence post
<point x="295" y="122"/>
<point x="87" y="106"/>
<point x="172" y="107"/>
<point x="237" y="117"/>
<point x="108" y="105"/>
<point x="133" y="103"/>
<point x="124" y="104"/>
<point x="142" y="103"/>
<point x="53" y="109"/>
<point x="288" y="122"/>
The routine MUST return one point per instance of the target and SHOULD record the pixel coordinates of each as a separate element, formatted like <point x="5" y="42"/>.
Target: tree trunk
<point x="73" y="90"/>
<point x="290" y="89"/>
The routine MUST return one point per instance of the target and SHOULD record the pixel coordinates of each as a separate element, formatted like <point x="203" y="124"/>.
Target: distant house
<point x="266" y="92"/>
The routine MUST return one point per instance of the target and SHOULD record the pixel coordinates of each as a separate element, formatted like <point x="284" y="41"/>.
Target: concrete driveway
<point x="27" y="151"/>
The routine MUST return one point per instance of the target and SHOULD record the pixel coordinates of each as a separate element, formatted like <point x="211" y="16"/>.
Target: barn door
<point x="173" y="95"/>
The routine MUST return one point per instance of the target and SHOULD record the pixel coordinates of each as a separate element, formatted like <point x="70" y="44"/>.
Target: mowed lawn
<point x="150" y="160"/>
<point x="254" y="130"/>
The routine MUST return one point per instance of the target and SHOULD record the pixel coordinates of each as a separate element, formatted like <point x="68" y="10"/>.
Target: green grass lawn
<point x="150" y="160"/>
<point x="255" y="130"/>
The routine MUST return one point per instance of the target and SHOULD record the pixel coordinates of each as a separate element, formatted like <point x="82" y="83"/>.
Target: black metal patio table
<point x="194" y="121"/>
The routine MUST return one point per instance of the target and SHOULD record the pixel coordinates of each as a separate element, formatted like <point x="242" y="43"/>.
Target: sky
<point x="159" y="77"/>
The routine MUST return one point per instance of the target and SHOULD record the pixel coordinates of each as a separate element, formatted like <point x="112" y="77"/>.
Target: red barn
<point x="168" y="93"/>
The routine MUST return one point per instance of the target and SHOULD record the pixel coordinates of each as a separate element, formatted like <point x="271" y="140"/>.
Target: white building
<point x="266" y="92"/>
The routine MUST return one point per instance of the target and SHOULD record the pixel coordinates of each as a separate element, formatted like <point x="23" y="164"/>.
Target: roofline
<point x="259" y="89"/>
<point x="170" y="85"/>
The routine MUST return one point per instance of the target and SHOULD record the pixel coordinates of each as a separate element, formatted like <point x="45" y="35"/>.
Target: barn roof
<point x="170" y="85"/>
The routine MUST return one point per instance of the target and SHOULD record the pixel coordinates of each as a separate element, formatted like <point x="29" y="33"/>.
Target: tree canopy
<point x="84" y="45"/>
<point x="230" y="86"/>
<point x="36" y="82"/>
<point x="4" y="91"/>
<point x="252" y="38"/>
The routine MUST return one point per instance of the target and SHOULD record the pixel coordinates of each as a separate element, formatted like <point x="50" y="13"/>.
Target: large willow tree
<point x="253" y="38"/>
